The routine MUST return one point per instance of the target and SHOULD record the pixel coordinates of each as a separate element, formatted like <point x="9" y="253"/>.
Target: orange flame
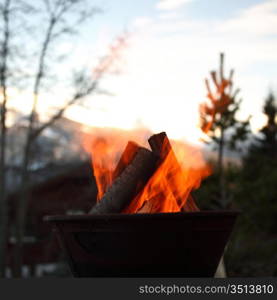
<point x="171" y="184"/>
<point x="106" y="146"/>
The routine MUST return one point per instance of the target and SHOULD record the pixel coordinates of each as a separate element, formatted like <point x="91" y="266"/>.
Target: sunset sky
<point x="172" y="47"/>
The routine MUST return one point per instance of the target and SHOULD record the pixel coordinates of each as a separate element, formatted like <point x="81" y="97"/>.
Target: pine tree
<point x="218" y="119"/>
<point x="257" y="186"/>
<point x="263" y="150"/>
<point x="268" y="142"/>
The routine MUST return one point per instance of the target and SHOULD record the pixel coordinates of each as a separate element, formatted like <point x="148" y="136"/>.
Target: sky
<point x="172" y="47"/>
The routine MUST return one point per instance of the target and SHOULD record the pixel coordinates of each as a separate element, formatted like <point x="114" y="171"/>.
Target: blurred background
<point x="204" y="71"/>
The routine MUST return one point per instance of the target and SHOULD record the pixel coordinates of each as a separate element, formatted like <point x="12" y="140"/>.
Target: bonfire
<point x="145" y="181"/>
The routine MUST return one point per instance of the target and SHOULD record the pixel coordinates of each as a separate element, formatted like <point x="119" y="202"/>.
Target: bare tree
<point x="62" y="17"/>
<point x="4" y="49"/>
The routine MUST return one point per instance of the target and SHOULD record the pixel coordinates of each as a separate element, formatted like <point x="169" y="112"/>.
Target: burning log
<point x="127" y="156"/>
<point x="161" y="146"/>
<point x="156" y="204"/>
<point x="132" y="175"/>
<point x="146" y="208"/>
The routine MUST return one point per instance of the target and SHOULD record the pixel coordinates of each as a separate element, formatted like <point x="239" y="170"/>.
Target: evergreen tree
<point x="256" y="197"/>
<point x="218" y="119"/>
<point x="263" y="150"/>
<point x="252" y="248"/>
<point x="268" y="142"/>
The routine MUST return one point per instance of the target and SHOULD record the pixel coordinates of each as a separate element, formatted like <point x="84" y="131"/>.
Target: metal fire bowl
<point x="144" y="245"/>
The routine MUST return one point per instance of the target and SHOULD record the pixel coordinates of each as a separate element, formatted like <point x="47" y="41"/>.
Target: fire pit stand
<point x="144" y="245"/>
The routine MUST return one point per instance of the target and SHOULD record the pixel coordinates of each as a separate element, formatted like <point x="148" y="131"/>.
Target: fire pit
<point x="144" y="245"/>
<point x="145" y="222"/>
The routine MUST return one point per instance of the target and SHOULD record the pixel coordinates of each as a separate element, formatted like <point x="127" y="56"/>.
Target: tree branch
<point x="59" y="114"/>
<point x="3" y="84"/>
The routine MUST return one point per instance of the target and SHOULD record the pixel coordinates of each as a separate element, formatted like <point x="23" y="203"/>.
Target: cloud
<point x="260" y="19"/>
<point x="171" y="4"/>
<point x="256" y="20"/>
<point x="170" y="15"/>
<point x="141" y="22"/>
<point x="179" y="53"/>
<point x="168" y="59"/>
